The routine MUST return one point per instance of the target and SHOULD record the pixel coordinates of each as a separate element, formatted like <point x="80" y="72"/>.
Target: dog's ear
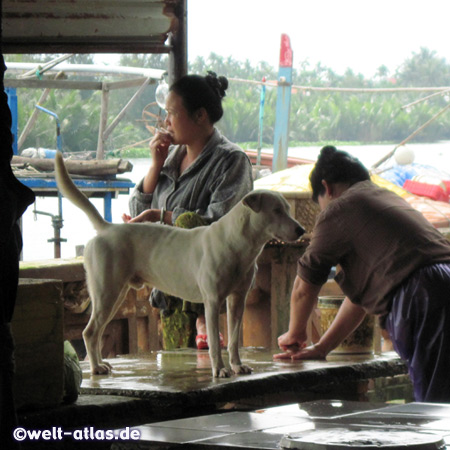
<point x="253" y="201"/>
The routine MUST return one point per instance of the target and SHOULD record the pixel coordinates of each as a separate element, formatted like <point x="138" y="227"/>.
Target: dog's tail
<point x="67" y="188"/>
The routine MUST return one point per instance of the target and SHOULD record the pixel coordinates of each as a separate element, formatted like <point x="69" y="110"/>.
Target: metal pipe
<point x="155" y="74"/>
<point x="58" y="125"/>
<point x="57" y="224"/>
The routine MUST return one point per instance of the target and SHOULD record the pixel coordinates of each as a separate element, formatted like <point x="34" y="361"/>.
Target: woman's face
<point x="323" y="201"/>
<point x="178" y="121"/>
<point x="332" y="191"/>
<point x="325" y="198"/>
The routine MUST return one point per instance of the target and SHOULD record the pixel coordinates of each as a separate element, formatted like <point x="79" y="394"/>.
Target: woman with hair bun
<point x="194" y="168"/>
<point x="392" y="263"/>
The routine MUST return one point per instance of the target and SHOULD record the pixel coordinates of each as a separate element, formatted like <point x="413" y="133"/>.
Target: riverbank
<point x="143" y="152"/>
<point x="78" y="230"/>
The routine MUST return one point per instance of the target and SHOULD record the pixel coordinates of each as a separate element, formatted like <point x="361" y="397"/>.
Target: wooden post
<point x="283" y="273"/>
<point x="130" y="103"/>
<point x="280" y="145"/>
<point x="178" y="43"/>
<point x="103" y="122"/>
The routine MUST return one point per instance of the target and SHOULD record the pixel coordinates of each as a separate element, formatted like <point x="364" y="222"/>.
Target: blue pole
<point x="12" y="103"/>
<point x="281" y="135"/>
<point x="107" y="206"/>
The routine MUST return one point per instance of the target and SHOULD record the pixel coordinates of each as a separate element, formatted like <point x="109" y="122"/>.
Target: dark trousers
<point x="419" y="326"/>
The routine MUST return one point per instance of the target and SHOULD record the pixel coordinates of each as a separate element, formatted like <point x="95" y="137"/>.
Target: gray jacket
<point x="211" y="186"/>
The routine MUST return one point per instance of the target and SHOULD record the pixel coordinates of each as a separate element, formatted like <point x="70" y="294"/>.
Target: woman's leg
<point x="201" y="324"/>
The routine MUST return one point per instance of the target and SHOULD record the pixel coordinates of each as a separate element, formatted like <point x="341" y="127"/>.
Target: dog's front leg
<point x="212" y="310"/>
<point x="235" y="312"/>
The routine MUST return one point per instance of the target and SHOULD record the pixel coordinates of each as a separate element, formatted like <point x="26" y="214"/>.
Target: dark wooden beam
<point x="178" y="45"/>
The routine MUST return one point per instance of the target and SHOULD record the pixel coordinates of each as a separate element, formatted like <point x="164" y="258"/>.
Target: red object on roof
<point x="433" y="191"/>
<point x="266" y="159"/>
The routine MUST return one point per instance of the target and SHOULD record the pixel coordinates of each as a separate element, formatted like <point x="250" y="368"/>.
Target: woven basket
<point x="303" y="208"/>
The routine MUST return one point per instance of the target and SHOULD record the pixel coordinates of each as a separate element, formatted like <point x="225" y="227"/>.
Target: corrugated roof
<point x="88" y="26"/>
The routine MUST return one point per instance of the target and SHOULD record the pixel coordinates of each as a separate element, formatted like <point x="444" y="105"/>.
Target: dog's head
<point x="272" y="212"/>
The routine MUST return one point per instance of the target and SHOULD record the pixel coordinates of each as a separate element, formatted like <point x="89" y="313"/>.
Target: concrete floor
<point x="320" y="425"/>
<point x="186" y="370"/>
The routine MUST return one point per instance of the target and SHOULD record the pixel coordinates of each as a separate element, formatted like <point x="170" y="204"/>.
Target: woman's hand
<point x="312" y="352"/>
<point x="126" y="218"/>
<point x="290" y="341"/>
<point x="159" y="150"/>
<point x="290" y="344"/>
<point x="303" y="299"/>
<point x="159" y="147"/>
<point x="149" y="215"/>
<point x="347" y="320"/>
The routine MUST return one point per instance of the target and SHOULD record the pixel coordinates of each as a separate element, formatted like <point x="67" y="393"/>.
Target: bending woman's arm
<point x="348" y="318"/>
<point x="303" y="300"/>
<point x="346" y="321"/>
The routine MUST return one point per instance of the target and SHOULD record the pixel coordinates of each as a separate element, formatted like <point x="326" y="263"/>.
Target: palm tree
<point x="424" y="69"/>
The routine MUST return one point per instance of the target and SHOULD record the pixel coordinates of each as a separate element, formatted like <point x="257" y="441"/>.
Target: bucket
<point x="361" y="341"/>
<point x="47" y="153"/>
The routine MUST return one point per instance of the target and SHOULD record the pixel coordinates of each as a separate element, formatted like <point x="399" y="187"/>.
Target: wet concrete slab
<point x="176" y="385"/>
<point x="189" y="370"/>
<point x="179" y="383"/>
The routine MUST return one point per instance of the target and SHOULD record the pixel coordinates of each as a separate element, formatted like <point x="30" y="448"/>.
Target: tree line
<point x="315" y="116"/>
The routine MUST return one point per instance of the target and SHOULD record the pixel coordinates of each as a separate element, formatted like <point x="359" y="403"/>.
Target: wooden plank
<point x="284" y="270"/>
<point x="80" y="167"/>
<point x="257" y="314"/>
<point x="101" y="140"/>
<point x="67" y="270"/>
<point x="88" y="20"/>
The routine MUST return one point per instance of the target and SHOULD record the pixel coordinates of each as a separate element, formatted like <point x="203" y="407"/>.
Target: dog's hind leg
<point x="235" y="312"/>
<point x="105" y="306"/>
<point x="212" y="311"/>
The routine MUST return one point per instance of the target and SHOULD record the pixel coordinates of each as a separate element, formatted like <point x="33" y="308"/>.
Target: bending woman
<point x="194" y="168"/>
<point x="393" y="263"/>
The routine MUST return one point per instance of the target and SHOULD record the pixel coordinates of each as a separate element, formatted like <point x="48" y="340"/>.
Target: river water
<point x="37" y="230"/>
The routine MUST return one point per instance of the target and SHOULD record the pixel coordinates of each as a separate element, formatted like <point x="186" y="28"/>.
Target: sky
<point x="357" y="34"/>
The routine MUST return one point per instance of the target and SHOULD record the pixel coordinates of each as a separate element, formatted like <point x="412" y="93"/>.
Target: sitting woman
<point x="194" y="169"/>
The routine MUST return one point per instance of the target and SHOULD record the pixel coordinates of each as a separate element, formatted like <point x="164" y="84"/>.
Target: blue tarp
<point x="399" y="174"/>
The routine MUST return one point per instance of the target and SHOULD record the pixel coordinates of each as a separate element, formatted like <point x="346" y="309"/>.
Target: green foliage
<point x="130" y="153"/>
<point x="79" y="119"/>
<point x="328" y="116"/>
<point x="178" y="328"/>
<point x="424" y="69"/>
<point x="315" y="116"/>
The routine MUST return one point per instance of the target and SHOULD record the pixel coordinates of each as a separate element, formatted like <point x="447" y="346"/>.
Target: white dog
<point x="206" y="264"/>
